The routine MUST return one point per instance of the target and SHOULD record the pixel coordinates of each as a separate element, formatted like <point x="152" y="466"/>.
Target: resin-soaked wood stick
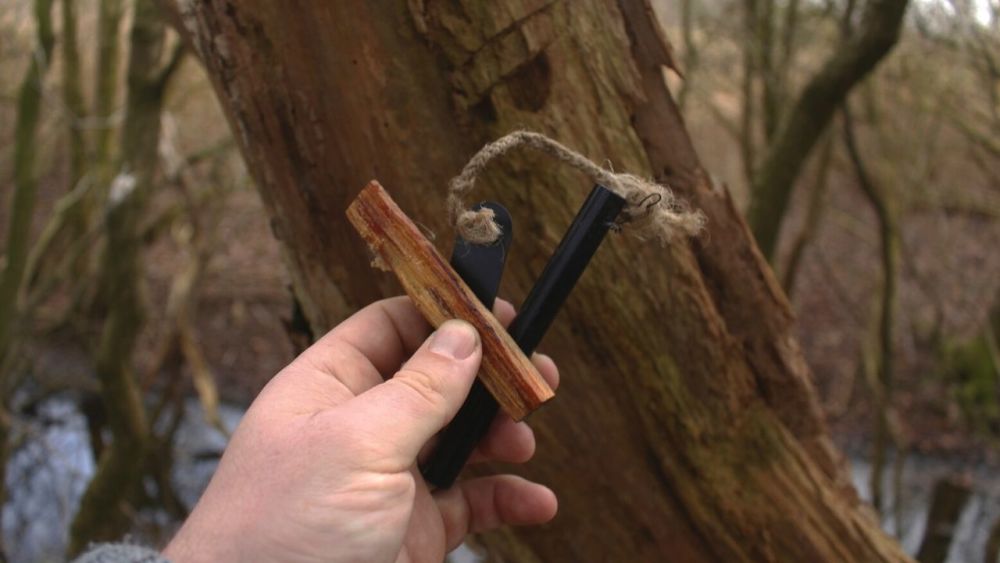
<point x="440" y="294"/>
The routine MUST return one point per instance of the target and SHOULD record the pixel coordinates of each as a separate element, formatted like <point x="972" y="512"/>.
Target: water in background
<point x="50" y="469"/>
<point x="920" y="473"/>
<point x="48" y="473"/>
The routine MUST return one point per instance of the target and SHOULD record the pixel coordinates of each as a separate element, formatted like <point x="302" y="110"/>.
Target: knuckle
<point x="423" y="385"/>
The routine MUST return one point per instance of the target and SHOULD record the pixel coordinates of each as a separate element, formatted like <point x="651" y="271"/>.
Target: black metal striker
<point x="564" y="268"/>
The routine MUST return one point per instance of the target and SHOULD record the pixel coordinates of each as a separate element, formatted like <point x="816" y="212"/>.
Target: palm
<point x="425" y="538"/>
<point x="331" y="450"/>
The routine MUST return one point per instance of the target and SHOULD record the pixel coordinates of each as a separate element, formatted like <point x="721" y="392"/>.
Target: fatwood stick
<point x="439" y="294"/>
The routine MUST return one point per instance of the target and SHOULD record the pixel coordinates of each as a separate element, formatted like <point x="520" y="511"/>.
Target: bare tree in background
<point x="21" y="211"/>
<point x="796" y="134"/>
<point x="89" y="241"/>
<point x="104" y="512"/>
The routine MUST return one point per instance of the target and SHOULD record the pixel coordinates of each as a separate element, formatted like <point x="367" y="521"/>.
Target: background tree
<point x="104" y="509"/>
<point x="794" y="138"/>
<point x="57" y="259"/>
<point x="22" y="210"/>
<point x="881" y="197"/>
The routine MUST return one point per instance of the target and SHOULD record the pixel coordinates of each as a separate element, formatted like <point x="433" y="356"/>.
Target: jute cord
<point x="651" y="209"/>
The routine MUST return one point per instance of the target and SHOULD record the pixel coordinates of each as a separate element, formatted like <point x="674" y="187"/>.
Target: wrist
<point x="196" y="542"/>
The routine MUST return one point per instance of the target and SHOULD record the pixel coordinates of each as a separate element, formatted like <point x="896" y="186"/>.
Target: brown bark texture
<point x="687" y="425"/>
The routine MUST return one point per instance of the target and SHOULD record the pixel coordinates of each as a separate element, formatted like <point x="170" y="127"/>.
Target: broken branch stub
<point x="440" y="294"/>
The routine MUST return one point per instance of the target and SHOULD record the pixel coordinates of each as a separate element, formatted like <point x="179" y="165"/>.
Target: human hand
<point x="323" y="467"/>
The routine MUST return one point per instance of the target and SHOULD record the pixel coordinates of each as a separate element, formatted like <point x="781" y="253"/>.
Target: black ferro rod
<point x="550" y="291"/>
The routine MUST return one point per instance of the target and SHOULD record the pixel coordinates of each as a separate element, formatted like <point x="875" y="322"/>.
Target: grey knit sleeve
<point x="120" y="553"/>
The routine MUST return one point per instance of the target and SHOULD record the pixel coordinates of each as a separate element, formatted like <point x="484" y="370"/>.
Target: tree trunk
<point x="106" y="506"/>
<point x="772" y="183"/>
<point x="687" y="425"/>
<point x="880" y="196"/>
<point x="106" y="87"/>
<point x="992" y="550"/>
<point x="73" y="95"/>
<point x="947" y="501"/>
<point x="21" y="211"/>
<point x="22" y="199"/>
<point x="814" y="215"/>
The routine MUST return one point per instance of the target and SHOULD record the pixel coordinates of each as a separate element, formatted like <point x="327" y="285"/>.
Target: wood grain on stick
<point x="440" y="294"/>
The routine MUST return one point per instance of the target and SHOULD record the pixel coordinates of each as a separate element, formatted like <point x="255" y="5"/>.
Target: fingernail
<point x="456" y="339"/>
<point x="542" y="356"/>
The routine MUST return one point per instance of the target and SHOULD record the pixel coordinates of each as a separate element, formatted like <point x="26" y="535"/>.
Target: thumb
<point x="424" y="395"/>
